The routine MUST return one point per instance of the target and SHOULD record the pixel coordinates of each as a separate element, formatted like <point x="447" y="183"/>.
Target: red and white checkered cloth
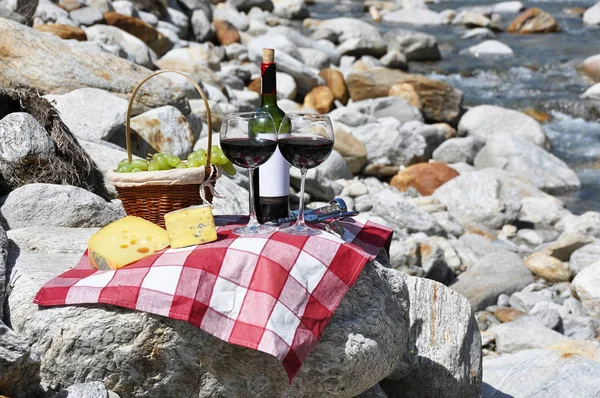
<point x="274" y="293"/>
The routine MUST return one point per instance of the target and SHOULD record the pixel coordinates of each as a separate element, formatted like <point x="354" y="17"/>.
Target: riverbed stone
<point x="534" y="20"/>
<point x="491" y="276"/>
<point x="584" y="257"/>
<point x="580" y="327"/>
<point x="446" y="354"/>
<point x="592" y="15"/>
<point x="79" y="68"/>
<point x="183" y="354"/>
<point x="524" y="333"/>
<point x="472" y="19"/>
<point x="3" y="260"/>
<point x="55" y="206"/>
<point x="507" y="314"/>
<point x="416" y="46"/>
<point x="456" y="150"/>
<point x="487" y="121"/>
<point x="548" y="267"/>
<point x="591" y="67"/>
<point x="65" y="32"/>
<point x="414" y="16"/>
<point x="525" y="159"/>
<point x="23" y="137"/>
<point x="388" y="107"/>
<point x="533" y="373"/>
<point x="526" y="300"/>
<point x="52" y="240"/>
<point x="135" y="49"/>
<point x="587" y="286"/>
<point x="424" y="177"/>
<point x="586" y="224"/>
<point x="480" y="197"/>
<point x="19" y="370"/>
<point x="489" y="47"/>
<point x="441" y="102"/>
<point x="479" y="34"/>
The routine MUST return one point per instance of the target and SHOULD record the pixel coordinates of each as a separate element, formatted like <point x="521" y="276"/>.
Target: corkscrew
<point x="335" y="209"/>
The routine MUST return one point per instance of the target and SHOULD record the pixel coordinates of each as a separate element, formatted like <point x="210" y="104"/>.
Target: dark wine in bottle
<point x="271" y="180"/>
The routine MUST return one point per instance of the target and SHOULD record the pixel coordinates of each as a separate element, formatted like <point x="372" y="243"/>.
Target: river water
<point x="542" y="72"/>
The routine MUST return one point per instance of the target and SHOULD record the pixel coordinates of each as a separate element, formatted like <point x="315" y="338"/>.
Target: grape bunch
<point x="163" y="161"/>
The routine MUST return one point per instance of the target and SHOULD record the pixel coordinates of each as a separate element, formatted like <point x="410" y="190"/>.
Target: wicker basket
<point x="152" y="194"/>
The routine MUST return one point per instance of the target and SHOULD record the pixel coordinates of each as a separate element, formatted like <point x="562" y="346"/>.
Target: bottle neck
<point x="268" y="89"/>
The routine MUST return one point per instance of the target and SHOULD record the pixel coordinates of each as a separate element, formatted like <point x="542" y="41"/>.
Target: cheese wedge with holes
<point x="193" y="225"/>
<point x="125" y="241"/>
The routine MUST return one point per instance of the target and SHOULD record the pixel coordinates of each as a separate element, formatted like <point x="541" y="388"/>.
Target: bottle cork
<point x="268" y="55"/>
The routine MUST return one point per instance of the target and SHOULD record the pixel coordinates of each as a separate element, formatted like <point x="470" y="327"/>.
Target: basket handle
<point x="130" y="108"/>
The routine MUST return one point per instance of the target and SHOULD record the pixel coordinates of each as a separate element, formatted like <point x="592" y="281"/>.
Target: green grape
<point x="162" y="162"/>
<point x="136" y="170"/>
<point x="201" y="152"/>
<point x="224" y="159"/>
<point x="126" y="168"/>
<point x="122" y="162"/>
<point x="173" y="160"/>
<point x="140" y="164"/>
<point x="153" y="166"/>
<point x="202" y="160"/>
<point x="181" y="165"/>
<point x="193" y="155"/>
<point x="215" y="148"/>
<point x="215" y="157"/>
<point x="229" y="169"/>
<point x="194" y="163"/>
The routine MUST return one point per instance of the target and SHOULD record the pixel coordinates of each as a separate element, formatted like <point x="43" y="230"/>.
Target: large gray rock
<point x="388" y="145"/>
<point x="580" y="327"/>
<point x="592" y="15"/>
<point x="525" y="159"/>
<point x="201" y="26"/>
<point x="163" y="129"/>
<point x="541" y="373"/>
<point x="584" y="257"/>
<point x="25" y="8"/>
<point x="457" y="150"/>
<point x="387" y="107"/>
<point x="587" y="286"/>
<point x="335" y="167"/>
<point x="486" y="121"/>
<point x="478" y="245"/>
<point x="301" y="40"/>
<point x="491" y="276"/>
<point x="524" y="333"/>
<point x="416" y="46"/>
<point x="403" y="216"/>
<point x="525" y="301"/>
<point x="55" y="206"/>
<point x="23" y="137"/>
<point x="444" y="345"/>
<point x="290" y="9"/>
<point x="87" y="16"/>
<point x="358" y="47"/>
<point x="350" y="117"/>
<point x="19" y="371"/>
<point x="343" y="29"/>
<point x="138" y="354"/>
<point x="414" y="16"/>
<point x="232" y="197"/>
<point x="94" y="389"/>
<point x="317" y="184"/>
<point x="51" y="240"/>
<point x="489" y="48"/>
<point x="3" y="259"/>
<point x="587" y="224"/>
<point x="136" y="50"/>
<point x="480" y="197"/>
<point x="90" y="113"/>
<point x="230" y="14"/>
<point x="65" y="68"/>
<point x="247" y="5"/>
<point x="541" y="210"/>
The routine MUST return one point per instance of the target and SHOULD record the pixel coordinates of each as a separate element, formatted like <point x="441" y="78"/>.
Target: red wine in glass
<point x="305" y="152"/>
<point x="248" y="152"/>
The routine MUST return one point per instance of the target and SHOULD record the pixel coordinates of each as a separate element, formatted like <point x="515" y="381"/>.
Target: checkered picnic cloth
<point x="274" y="293"/>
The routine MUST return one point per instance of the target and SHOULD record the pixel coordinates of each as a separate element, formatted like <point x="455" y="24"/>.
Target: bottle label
<point x="274" y="178"/>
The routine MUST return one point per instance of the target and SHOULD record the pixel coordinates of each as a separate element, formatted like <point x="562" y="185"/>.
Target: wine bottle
<point x="271" y="180"/>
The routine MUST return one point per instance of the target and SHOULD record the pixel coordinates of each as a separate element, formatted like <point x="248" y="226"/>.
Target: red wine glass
<point x="244" y="147"/>
<point x="305" y="141"/>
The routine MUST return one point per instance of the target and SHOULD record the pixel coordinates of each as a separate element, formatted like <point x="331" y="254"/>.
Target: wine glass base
<point x="300" y="230"/>
<point x="253" y="230"/>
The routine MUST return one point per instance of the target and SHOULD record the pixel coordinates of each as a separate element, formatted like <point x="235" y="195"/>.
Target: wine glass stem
<point x="300" y="221"/>
<point x="253" y="222"/>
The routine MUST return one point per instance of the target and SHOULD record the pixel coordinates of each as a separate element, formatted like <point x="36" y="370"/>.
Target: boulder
<point x="226" y="33"/>
<point x="91" y="113"/>
<point x="525" y="159"/>
<point x="133" y="49"/>
<point x="335" y="167"/>
<point x="424" y="177"/>
<point x="301" y="41"/>
<point x="176" y="355"/>
<point x="565" y="245"/>
<point x="388" y="145"/>
<point x="533" y="373"/>
<point x="584" y="257"/>
<point x="13" y="16"/>
<point x="65" y="32"/>
<point x="335" y="81"/>
<point x="580" y="327"/>
<point x="479" y="34"/>
<point x="24" y="47"/>
<point x="320" y="99"/>
<point x="158" y="42"/>
<point x="587" y="224"/>
<point x="343" y="29"/>
<point x="197" y="62"/>
<point x="233" y="197"/>
<point x="548" y="268"/>
<point x="456" y="150"/>
<point x="441" y="102"/>
<point x="374" y="392"/>
<point x="357" y="47"/>
<point x="491" y="276"/>
<point x="351" y="148"/>
<point x="87" y="16"/>
<point x="49" y="12"/>
<point x="233" y="16"/>
<point x="592" y="15"/>
<point x="19" y="370"/>
<point x="400" y="213"/>
<point x="247" y="5"/>
<point x="479" y="246"/>
<point x="587" y="286"/>
<point x="487" y="121"/>
<point x="489" y="47"/>
<point x="55" y="206"/>
<point x="3" y="260"/>
<point x="394" y="59"/>
<point x="317" y="184"/>
<point x="541" y="210"/>
<point x="472" y="19"/>
<point x="394" y="107"/>
<point x="508" y="314"/>
<point x="444" y="343"/>
<point x="480" y="198"/>
<point x="25" y="8"/>
<point x="592" y="93"/>
<point x="201" y="26"/>
<point x="349" y="117"/>
<point x="290" y="9"/>
<point x="527" y="299"/>
<point x="534" y="20"/>
<point x="524" y="333"/>
<point x="414" y="16"/>
<point x="416" y="46"/>
<point x="51" y="240"/>
<point x="407" y="92"/>
<point x="23" y="138"/>
<point x="314" y="58"/>
<point x="123" y="7"/>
